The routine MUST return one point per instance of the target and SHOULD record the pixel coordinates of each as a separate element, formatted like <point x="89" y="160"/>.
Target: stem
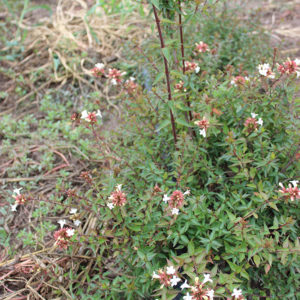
<point x="182" y="52"/>
<point x="162" y="45"/>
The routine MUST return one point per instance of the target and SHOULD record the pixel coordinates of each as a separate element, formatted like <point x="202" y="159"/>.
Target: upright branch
<point x="167" y="73"/>
<point x="182" y="51"/>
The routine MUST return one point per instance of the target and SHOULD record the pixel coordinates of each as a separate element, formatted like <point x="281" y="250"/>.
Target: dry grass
<point x="66" y="46"/>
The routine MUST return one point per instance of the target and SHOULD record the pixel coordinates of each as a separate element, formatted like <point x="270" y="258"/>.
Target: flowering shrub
<point x="197" y="134"/>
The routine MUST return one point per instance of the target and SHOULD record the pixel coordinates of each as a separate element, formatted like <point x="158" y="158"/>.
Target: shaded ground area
<point x="281" y="20"/>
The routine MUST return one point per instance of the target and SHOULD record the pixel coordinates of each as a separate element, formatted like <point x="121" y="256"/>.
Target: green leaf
<point x="256" y="259"/>
<point x="273" y="205"/>
<point x="166" y="54"/>
<point x="183" y="122"/>
<point x="155" y="3"/>
<point x="162" y="125"/>
<point x="191" y="248"/>
<point x="158" y="78"/>
<point x="184" y="239"/>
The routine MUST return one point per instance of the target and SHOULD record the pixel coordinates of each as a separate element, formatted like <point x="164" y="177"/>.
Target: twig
<point x="162" y="45"/>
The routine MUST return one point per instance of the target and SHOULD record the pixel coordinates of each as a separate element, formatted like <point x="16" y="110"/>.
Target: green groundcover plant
<point x="197" y="194"/>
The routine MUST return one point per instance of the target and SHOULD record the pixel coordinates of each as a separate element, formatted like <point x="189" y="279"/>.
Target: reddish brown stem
<point x="167" y="73"/>
<point x="182" y="51"/>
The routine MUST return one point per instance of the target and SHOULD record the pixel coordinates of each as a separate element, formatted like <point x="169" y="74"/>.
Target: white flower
<point x="188" y="297"/>
<point x="99" y="66"/>
<point x="170" y="270"/>
<point x="254" y="115"/>
<point x="187" y="192"/>
<point x="84" y="114"/>
<point x="70" y="232"/>
<point x="210" y="294"/>
<point x="260" y="121"/>
<point x="77" y="222"/>
<point x="62" y="223"/>
<point x="98" y="113"/>
<point x="237" y="293"/>
<point x="298" y="74"/>
<point x="297" y="61"/>
<point x="73" y="211"/>
<point x="294" y="183"/>
<point x="119" y="186"/>
<point x="14" y="207"/>
<point x="185" y="285"/>
<point x="206" y="278"/>
<point x="281" y="185"/>
<point x="155" y="276"/>
<point x="174" y="280"/>
<point x="132" y="78"/>
<point x="175" y="211"/>
<point x="166" y="198"/>
<point x="202" y="132"/>
<point x="247" y="78"/>
<point x="114" y="81"/>
<point x="232" y="82"/>
<point x="263" y="69"/>
<point x="110" y="205"/>
<point x="197" y="69"/>
<point x="17" y="191"/>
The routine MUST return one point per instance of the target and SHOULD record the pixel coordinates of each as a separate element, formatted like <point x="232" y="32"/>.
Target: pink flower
<point x="292" y="191"/>
<point x="239" y="80"/>
<point x="179" y="87"/>
<point x="168" y="277"/>
<point x="117" y="197"/>
<point x="91" y="117"/>
<point x="191" y="67"/>
<point x="203" y="125"/>
<point x="62" y="237"/>
<point x="201" y="47"/>
<point x="115" y="75"/>
<point x="289" y="67"/>
<point x="252" y="123"/>
<point x="98" y="70"/>
<point x="176" y="199"/>
<point x="130" y="85"/>
<point x="198" y="290"/>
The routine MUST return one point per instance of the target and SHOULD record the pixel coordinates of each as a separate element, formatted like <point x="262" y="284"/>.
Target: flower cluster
<point x="237" y="294"/>
<point x="251" y="124"/>
<point x="292" y="191"/>
<point x="130" y="85"/>
<point x="265" y="70"/>
<point x="179" y="87"/>
<point x="201" y="47"/>
<point x="175" y="201"/>
<point x="239" y="80"/>
<point x="290" y="67"/>
<point x="62" y="237"/>
<point x="198" y="291"/>
<point x="203" y="125"/>
<point x="167" y="277"/>
<point x="20" y="199"/>
<point x="98" y="70"/>
<point x="117" y="197"/>
<point x="114" y="75"/>
<point x="91" y="117"/>
<point x="191" y="67"/>
<point x="86" y="176"/>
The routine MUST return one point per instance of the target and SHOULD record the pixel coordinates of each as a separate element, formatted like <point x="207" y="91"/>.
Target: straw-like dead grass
<point x="67" y="45"/>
